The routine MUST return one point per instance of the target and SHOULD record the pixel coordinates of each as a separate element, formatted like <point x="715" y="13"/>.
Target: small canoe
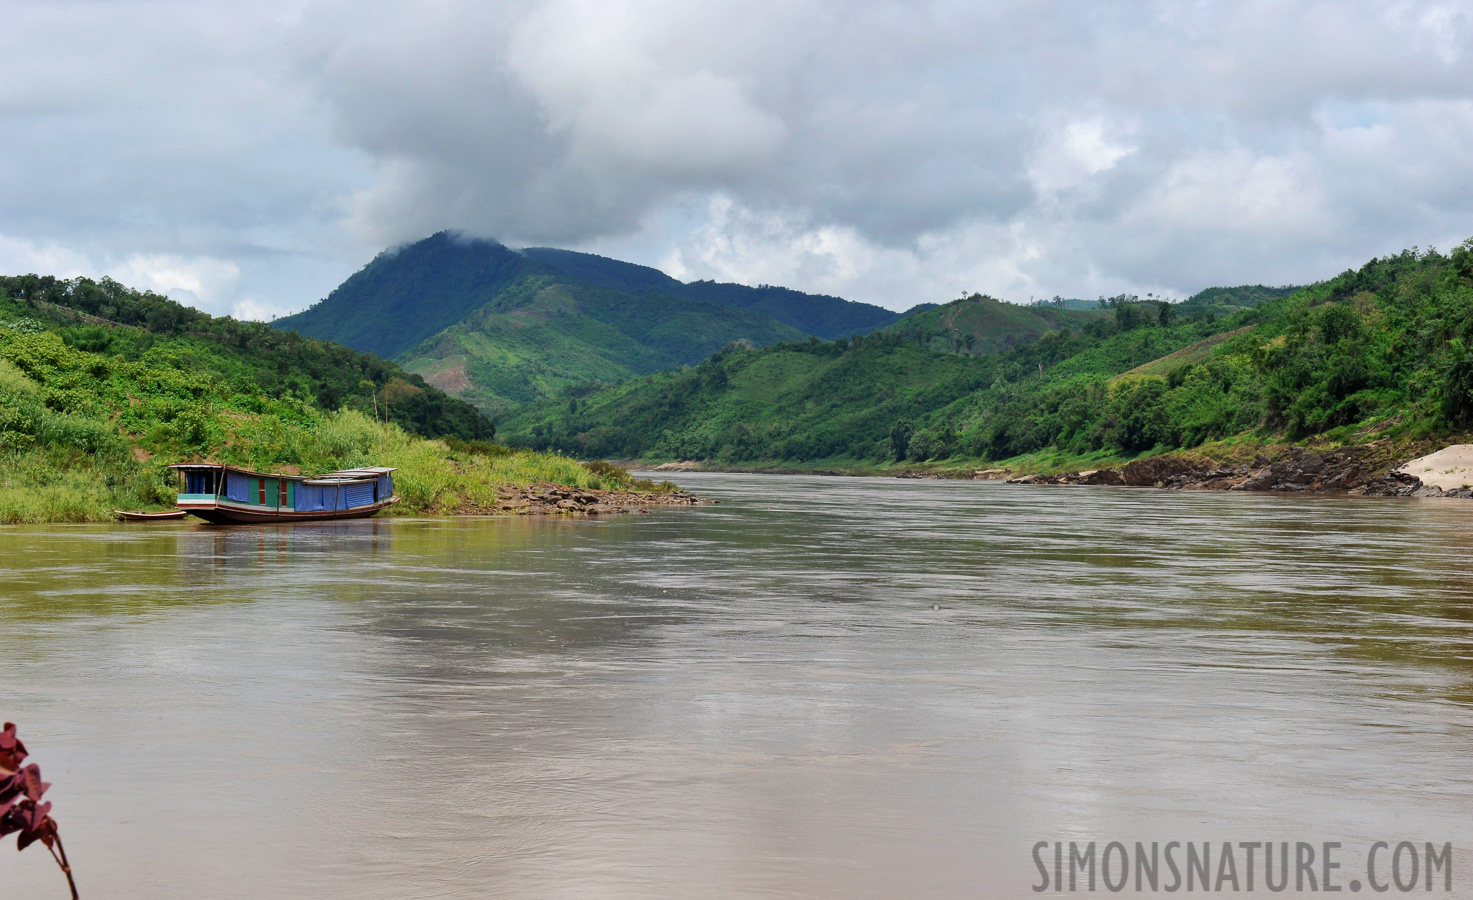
<point x="127" y="516"/>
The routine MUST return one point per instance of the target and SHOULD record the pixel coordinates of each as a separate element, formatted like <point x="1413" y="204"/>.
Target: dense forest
<point x="1382" y="349"/>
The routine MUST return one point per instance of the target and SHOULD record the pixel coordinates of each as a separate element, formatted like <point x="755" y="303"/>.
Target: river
<point x="820" y="687"/>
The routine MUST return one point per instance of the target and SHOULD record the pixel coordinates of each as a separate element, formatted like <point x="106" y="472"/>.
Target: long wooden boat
<point x="130" y="516"/>
<point x="226" y="495"/>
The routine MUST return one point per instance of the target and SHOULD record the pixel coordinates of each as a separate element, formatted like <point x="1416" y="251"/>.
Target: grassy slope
<point x="550" y="336"/>
<point x="83" y="432"/>
<point x="1384" y="350"/>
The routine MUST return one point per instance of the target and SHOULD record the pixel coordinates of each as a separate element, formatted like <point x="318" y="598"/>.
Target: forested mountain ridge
<point x="1379" y="350"/>
<point x="817" y="314"/>
<point x="503" y="328"/>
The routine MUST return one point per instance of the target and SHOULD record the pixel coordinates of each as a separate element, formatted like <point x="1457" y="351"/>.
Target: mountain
<point x="1380" y="352"/>
<point x="410" y="293"/>
<point x="502" y="328"/>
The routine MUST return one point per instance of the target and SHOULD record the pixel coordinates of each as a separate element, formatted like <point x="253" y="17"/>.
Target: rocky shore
<point x="546" y="499"/>
<point x="1357" y="471"/>
<point x="1371" y="470"/>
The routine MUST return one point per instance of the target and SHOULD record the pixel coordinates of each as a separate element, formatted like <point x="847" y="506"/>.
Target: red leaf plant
<point x="21" y="809"/>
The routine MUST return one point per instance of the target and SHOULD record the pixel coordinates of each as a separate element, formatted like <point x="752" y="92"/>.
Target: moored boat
<point x="226" y="495"/>
<point x="132" y="516"/>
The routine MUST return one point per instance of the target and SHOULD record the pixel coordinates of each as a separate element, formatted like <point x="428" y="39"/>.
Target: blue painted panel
<point x="360" y="494"/>
<point x="237" y="487"/>
<point x="309" y="498"/>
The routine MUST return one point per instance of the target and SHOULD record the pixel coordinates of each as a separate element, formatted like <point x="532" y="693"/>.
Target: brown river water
<point x="820" y="687"/>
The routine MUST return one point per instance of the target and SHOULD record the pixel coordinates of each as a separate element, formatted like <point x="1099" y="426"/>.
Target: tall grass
<point x="435" y="479"/>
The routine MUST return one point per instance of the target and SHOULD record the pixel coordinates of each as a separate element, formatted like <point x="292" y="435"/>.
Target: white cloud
<point x="1072" y="153"/>
<point x="882" y="150"/>
<point x="1236" y="190"/>
<point x="201" y="282"/>
<point x="21" y="257"/>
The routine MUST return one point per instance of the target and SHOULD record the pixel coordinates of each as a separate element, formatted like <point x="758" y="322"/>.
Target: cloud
<point x="1073" y="152"/>
<point x="201" y="282"/>
<point x="882" y="150"/>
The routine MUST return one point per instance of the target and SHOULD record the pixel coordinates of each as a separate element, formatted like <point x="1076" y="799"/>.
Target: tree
<point x="1457" y="386"/>
<point x="969" y="340"/>
<point x="1166" y="315"/>
<point x="900" y="435"/>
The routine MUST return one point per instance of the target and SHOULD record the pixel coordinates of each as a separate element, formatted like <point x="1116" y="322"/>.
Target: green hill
<point x="502" y="328"/>
<point x="979" y="325"/>
<point x="1384" y="350"/>
<point x="107" y="318"/>
<point x="1223" y="301"/>
<point x="544" y="336"/>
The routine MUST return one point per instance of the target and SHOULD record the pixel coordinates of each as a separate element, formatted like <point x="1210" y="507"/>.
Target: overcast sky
<point x="246" y="158"/>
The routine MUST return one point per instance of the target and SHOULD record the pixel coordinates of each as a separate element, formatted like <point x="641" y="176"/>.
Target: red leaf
<point x="11" y="785"/>
<point x="12" y="751"/>
<point x="35" y="787"/>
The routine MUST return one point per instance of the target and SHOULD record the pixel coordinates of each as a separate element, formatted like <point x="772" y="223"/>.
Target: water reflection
<point x="830" y="687"/>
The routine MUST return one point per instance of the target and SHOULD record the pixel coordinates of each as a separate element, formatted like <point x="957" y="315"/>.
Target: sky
<point x="246" y="158"/>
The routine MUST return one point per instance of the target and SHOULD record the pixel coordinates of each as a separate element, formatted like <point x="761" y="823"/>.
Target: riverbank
<point x="1384" y="468"/>
<point x="444" y="477"/>
<point x="84" y="433"/>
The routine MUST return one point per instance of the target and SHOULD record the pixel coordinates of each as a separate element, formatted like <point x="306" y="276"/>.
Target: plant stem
<point x="61" y="860"/>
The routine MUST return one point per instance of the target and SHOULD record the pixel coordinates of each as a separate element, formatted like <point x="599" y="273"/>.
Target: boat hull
<point x="218" y="513"/>
<point x="127" y="516"/>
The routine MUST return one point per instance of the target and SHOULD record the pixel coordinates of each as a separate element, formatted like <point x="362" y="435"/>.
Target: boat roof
<point x="341" y="477"/>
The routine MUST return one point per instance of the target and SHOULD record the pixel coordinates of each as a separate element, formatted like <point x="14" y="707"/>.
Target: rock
<point x="1102" y="476"/>
<point x="1157" y="470"/>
